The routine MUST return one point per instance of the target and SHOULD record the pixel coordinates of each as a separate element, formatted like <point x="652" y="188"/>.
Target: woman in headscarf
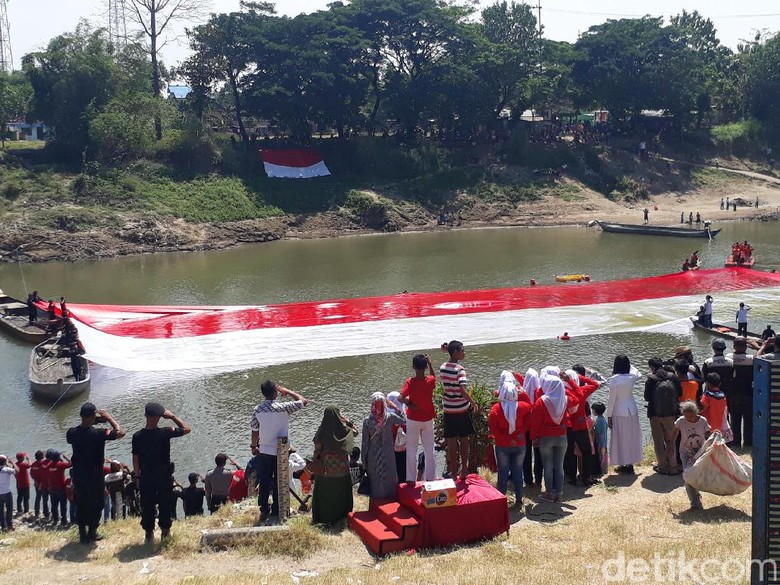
<point x="399" y="446"/>
<point x="625" y="441"/>
<point x="508" y="421"/>
<point x="532" y="463"/>
<point x="549" y="420"/>
<point x="332" y="499"/>
<point x="377" y="452"/>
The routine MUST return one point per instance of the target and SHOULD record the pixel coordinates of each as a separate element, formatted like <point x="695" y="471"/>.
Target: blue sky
<point x="34" y="22"/>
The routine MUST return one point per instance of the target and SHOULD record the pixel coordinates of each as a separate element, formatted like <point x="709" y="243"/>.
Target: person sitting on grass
<point x="693" y="430"/>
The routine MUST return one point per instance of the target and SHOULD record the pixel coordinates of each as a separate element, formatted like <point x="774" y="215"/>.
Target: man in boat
<point x="152" y="468"/>
<point x="89" y="443"/>
<point x="767" y="333"/>
<point x="32" y="310"/>
<point x="686" y="266"/>
<point x="742" y="320"/>
<point x="740" y="398"/>
<point x="694" y="259"/>
<point x="708" y="311"/>
<point x="53" y="322"/>
<point x="64" y="308"/>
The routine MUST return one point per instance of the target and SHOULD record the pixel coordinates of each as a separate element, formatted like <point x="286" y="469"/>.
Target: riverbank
<point x="625" y="517"/>
<point x="74" y="218"/>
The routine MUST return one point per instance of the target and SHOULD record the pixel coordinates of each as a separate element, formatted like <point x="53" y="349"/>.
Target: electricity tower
<point x="6" y="57"/>
<point x="117" y="23"/>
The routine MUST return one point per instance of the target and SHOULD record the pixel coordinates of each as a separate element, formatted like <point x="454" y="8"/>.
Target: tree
<point x="763" y="83"/>
<point x="15" y="97"/>
<point x="153" y="19"/>
<point x="77" y="75"/>
<point x="222" y="49"/>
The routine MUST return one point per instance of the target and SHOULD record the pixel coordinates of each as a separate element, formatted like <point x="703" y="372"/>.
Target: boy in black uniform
<point x="152" y="468"/>
<point x="89" y="444"/>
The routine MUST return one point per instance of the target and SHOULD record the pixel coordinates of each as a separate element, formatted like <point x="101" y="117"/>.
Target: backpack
<point x="665" y="402"/>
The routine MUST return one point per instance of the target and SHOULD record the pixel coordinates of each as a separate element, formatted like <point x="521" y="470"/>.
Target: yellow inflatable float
<point x="572" y="278"/>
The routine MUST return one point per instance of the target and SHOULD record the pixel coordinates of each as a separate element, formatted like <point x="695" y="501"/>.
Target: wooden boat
<point x="655" y="230"/>
<point x="51" y="375"/>
<point x="572" y="278"/>
<point x="730" y="263"/>
<point x="719" y="330"/>
<point x="14" y="319"/>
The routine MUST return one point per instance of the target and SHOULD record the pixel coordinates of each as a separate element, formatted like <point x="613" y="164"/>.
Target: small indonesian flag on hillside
<point x="294" y="164"/>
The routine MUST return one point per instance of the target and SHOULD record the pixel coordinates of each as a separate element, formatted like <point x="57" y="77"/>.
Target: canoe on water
<point x="14" y="319"/>
<point x="730" y="263"/>
<point x="51" y="374"/>
<point x="572" y="278"/>
<point x="656" y="230"/>
<point x="719" y="330"/>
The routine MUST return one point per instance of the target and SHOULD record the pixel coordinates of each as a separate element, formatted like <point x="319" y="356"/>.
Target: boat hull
<point x="14" y="321"/>
<point x="648" y="230"/>
<point x="726" y="332"/>
<point x="731" y="264"/>
<point x="51" y="376"/>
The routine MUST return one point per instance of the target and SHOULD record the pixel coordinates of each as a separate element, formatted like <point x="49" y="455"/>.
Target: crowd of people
<point x="741" y="253"/>
<point x="542" y="424"/>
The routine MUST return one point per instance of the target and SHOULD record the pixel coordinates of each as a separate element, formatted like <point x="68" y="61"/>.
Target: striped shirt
<point x="271" y="419"/>
<point x="452" y="377"/>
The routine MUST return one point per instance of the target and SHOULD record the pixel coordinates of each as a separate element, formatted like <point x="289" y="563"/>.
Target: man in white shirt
<point x="708" y="311"/>
<point x="8" y="469"/>
<point x="270" y="421"/>
<point x="742" y="314"/>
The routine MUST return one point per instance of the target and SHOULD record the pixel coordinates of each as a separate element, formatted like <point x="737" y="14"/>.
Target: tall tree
<point x="222" y="50"/>
<point x="15" y="97"/>
<point x="763" y="83"/>
<point x="154" y="18"/>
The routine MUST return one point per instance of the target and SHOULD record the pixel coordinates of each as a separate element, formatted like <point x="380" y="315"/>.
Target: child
<point x="600" y="437"/>
<point x="417" y="395"/>
<point x="458" y="406"/>
<point x="356" y="470"/>
<point x="714" y="407"/>
<point x="693" y="429"/>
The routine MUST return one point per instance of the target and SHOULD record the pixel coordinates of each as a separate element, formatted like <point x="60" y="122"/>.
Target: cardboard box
<point x="439" y="494"/>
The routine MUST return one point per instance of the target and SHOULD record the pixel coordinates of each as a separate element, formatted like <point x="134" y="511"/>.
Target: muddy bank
<point x="133" y="233"/>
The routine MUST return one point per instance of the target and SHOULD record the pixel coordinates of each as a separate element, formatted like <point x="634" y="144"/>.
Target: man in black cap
<point x="152" y="467"/>
<point x="89" y="443"/>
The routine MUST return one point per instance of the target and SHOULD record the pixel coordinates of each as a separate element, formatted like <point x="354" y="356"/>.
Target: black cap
<point x="718" y="343"/>
<point x="154" y="409"/>
<point x="88" y="409"/>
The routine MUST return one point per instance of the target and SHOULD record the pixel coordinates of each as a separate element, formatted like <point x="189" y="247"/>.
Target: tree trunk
<point x="155" y="68"/>
<point x="374" y="112"/>
<point x="237" y="100"/>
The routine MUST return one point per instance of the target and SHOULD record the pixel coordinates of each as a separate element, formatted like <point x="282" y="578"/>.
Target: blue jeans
<point x="510" y="459"/>
<point x="553" y="450"/>
<point x="266" y="477"/>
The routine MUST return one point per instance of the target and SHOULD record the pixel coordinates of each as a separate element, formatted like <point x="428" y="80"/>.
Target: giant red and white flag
<point x="294" y="164"/>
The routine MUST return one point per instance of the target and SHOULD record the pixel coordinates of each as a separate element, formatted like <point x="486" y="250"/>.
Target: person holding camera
<point x="152" y="468"/>
<point x="88" y="443"/>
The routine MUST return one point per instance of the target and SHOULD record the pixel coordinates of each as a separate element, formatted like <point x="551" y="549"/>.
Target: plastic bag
<point x="400" y="440"/>
<point x="718" y="470"/>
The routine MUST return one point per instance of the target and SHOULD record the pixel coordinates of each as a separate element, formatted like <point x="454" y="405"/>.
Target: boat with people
<point x="720" y="330"/>
<point x="51" y="372"/>
<point x="656" y="230"/>
<point x="572" y="278"/>
<point x="14" y="318"/>
<point x="738" y="263"/>
<point x="742" y="255"/>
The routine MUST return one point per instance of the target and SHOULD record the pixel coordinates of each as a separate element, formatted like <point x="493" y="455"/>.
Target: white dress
<point x="625" y="441"/>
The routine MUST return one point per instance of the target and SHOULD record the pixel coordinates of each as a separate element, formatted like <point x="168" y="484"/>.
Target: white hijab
<point x="531" y="383"/>
<point x="554" y="371"/>
<point x="394" y="398"/>
<point x="507" y="394"/>
<point x="554" y="397"/>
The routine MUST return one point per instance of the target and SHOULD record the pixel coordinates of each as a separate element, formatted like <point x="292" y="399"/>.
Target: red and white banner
<point x="294" y="164"/>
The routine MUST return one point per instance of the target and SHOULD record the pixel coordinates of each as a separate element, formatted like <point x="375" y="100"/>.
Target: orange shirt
<point x="714" y="410"/>
<point x="689" y="390"/>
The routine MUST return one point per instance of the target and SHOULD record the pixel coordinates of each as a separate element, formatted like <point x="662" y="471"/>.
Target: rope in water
<point x="19" y="264"/>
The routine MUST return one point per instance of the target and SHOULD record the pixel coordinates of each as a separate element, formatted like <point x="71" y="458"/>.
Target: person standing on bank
<point x="152" y="468"/>
<point x="271" y="421"/>
<point x="88" y="457"/>
<point x="377" y="453"/>
<point x="458" y="407"/>
<point x="625" y="445"/>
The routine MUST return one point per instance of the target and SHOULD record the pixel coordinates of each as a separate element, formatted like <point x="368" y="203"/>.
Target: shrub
<point x="12" y="191"/>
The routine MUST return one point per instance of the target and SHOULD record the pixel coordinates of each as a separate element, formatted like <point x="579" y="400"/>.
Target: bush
<point x="744" y="136"/>
<point x="481" y="442"/>
<point x="12" y="191"/>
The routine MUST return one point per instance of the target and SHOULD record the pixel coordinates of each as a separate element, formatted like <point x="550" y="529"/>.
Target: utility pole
<point x="117" y="23"/>
<point x="6" y="56"/>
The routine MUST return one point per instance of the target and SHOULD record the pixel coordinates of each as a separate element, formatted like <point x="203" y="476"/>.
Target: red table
<point x="481" y="513"/>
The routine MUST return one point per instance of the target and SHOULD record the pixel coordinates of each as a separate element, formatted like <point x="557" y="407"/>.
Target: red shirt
<point x="542" y="424"/>
<point x="23" y="477"/>
<point x="40" y="475"/>
<point x="55" y="475"/>
<point x="420" y="394"/>
<point x="499" y="426"/>
<point x="577" y="417"/>
<point x="238" y="489"/>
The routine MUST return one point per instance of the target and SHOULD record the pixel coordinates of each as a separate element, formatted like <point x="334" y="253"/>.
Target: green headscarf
<point x="333" y="434"/>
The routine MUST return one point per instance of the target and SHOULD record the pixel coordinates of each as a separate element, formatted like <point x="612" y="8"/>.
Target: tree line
<point x="367" y="65"/>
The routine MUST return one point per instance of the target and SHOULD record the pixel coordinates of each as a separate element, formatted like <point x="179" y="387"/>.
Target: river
<point x="219" y="406"/>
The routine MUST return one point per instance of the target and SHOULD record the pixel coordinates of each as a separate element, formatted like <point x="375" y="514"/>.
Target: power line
<point x="624" y="15"/>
